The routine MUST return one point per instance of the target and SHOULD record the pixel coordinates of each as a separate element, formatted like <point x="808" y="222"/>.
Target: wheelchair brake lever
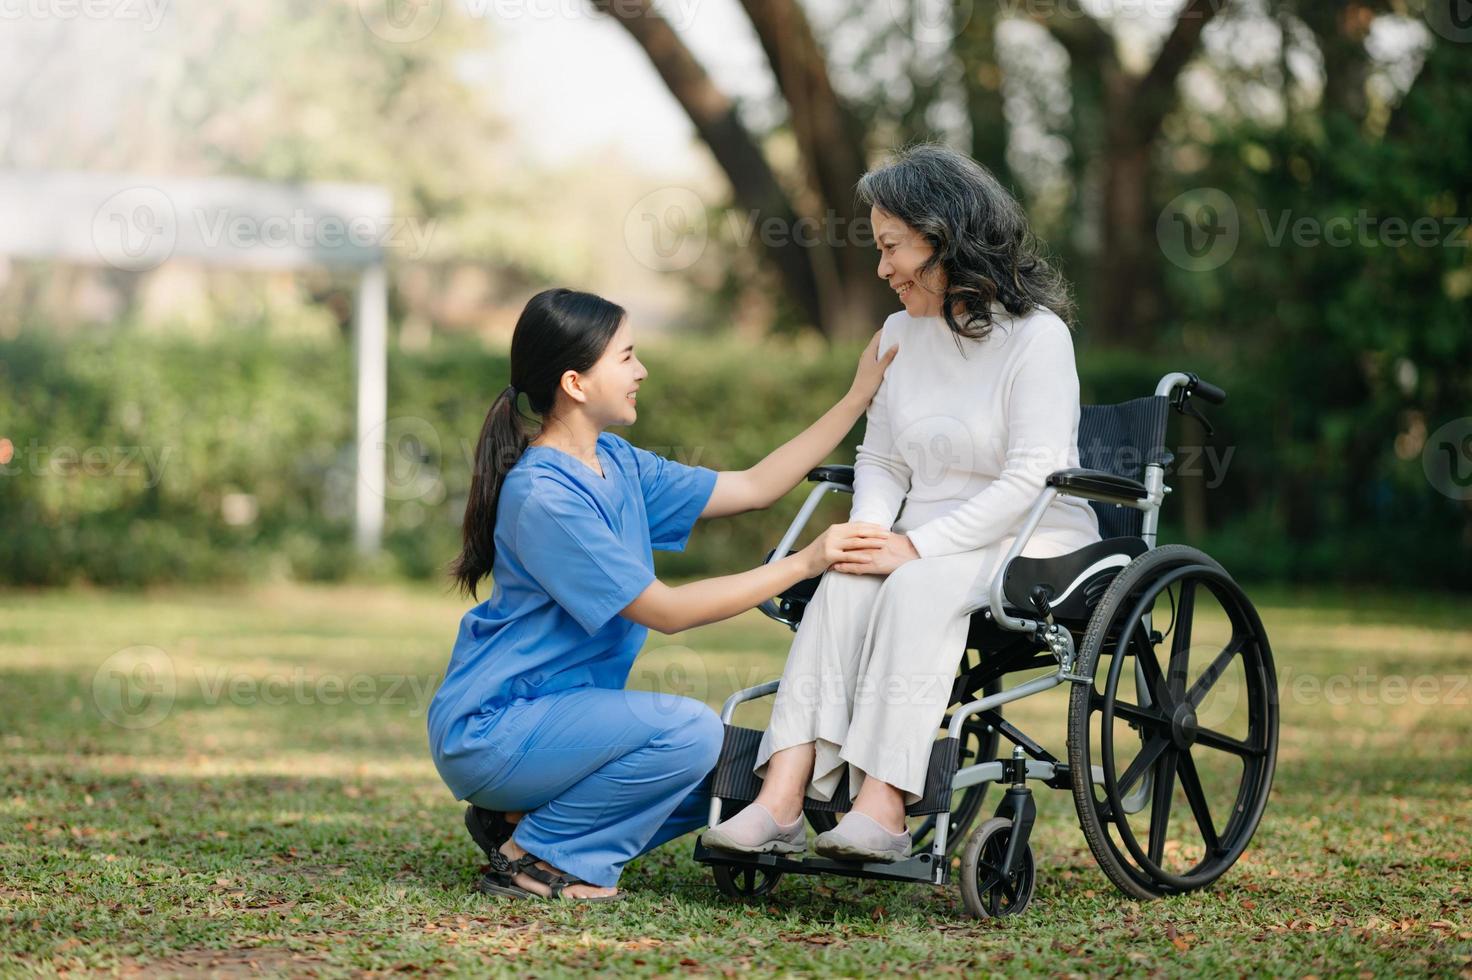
<point x="1186" y="408"/>
<point x="1040" y="597"/>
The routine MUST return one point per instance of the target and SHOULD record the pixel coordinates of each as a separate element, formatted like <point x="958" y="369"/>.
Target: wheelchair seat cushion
<point x="1075" y="582"/>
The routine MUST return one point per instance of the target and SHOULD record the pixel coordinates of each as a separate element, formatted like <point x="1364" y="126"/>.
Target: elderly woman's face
<point x="902" y="250"/>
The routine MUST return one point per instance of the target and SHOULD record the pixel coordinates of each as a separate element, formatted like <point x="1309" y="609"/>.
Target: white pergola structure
<point x="136" y="222"/>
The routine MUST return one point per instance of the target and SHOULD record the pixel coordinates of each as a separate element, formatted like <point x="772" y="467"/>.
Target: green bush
<point x="130" y="449"/>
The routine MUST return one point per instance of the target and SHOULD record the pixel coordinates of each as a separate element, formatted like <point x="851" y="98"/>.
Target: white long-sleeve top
<point x="958" y="441"/>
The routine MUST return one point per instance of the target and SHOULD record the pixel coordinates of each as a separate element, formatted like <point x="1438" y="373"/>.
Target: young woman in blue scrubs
<point x="568" y="774"/>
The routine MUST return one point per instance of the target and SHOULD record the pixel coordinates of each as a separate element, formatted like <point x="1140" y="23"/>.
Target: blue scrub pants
<point x="602" y="775"/>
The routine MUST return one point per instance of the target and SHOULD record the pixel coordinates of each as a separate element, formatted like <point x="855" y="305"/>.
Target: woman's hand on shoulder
<point x="871" y="370"/>
<point x="894" y="550"/>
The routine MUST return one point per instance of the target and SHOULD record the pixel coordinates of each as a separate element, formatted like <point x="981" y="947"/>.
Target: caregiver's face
<point x="902" y="250"/>
<point x="612" y="383"/>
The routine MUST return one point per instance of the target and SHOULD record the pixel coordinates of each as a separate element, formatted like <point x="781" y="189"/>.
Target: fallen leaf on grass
<point x="819" y="939"/>
<point x="643" y="942"/>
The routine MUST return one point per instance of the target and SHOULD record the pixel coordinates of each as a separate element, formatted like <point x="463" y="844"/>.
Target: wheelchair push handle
<point x="1206" y="391"/>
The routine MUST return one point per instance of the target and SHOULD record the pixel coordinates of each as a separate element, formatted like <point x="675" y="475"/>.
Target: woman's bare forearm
<point x="672" y="609"/>
<point x="785" y="466"/>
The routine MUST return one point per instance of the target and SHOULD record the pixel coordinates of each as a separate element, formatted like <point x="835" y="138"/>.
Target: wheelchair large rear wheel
<point x="1179" y="727"/>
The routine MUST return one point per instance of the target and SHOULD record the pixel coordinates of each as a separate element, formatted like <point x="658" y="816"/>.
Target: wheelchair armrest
<point x="833" y="474"/>
<point x="1098" y="485"/>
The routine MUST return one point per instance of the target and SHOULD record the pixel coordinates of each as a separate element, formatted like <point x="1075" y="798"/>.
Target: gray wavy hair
<point x="979" y="232"/>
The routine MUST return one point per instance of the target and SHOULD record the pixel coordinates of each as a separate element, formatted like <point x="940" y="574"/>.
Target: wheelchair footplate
<point x="735" y="785"/>
<point x="916" y="868"/>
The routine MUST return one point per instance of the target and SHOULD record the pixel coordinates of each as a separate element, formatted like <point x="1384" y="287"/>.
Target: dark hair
<point x="559" y="331"/>
<point x="979" y="232"/>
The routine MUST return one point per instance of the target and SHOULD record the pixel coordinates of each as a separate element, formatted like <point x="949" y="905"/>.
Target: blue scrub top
<point x="572" y="550"/>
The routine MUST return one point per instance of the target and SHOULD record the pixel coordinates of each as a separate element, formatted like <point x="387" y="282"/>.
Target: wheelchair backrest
<point x="1123" y="439"/>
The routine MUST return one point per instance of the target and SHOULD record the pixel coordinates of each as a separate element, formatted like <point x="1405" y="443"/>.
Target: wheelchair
<point x="1192" y="706"/>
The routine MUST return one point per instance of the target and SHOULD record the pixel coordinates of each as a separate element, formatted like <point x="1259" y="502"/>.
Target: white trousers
<point x="869" y="675"/>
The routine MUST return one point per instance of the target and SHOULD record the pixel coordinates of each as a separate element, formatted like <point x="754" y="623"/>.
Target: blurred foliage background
<point x="232" y="460"/>
<point x="191" y="424"/>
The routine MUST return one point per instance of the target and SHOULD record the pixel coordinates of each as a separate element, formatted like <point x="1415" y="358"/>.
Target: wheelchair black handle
<point x="1206" y="390"/>
<point x="843" y="475"/>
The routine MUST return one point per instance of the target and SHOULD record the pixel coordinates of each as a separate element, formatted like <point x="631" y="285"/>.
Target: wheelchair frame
<point x="932" y="866"/>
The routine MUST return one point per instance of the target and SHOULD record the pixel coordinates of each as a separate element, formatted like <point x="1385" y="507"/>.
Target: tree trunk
<point x="830" y="141"/>
<point x="976" y="49"/>
<point x="825" y="260"/>
<point x="1123" y="269"/>
<point x="753" y="184"/>
<point x="1124" y="297"/>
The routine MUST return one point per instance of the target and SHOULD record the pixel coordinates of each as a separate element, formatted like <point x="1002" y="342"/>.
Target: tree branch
<point x="1083" y="37"/>
<point x="716" y="120"/>
<point x="1155" y="92"/>
<point x="829" y="137"/>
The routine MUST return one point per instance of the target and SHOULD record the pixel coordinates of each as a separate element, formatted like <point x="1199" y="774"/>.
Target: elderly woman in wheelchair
<point x="971" y="458"/>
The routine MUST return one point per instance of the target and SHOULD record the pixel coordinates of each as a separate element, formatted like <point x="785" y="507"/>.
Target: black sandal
<point x="501" y="880"/>
<point x="488" y="828"/>
<point x="500" y="877"/>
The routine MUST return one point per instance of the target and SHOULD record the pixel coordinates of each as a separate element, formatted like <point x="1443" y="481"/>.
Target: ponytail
<point x="501" y="443"/>
<point x="559" y="331"/>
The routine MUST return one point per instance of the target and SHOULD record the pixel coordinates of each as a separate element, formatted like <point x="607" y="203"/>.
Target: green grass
<point x="237" y="834"/>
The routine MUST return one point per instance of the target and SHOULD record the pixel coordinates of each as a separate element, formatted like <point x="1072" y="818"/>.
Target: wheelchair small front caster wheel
<point x="985" y="888"/>
<point x="745" y="884"/>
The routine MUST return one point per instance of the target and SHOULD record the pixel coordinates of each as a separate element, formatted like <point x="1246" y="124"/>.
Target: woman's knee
<point x="917" y="573"/>
<point x="844" y="590"/>
<point x="712" y="733"/>
<point x="695" y="732"/>
<point x="908" y="584"/>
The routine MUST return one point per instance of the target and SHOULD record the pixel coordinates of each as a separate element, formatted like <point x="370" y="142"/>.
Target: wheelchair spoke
<point x="1165" y="784"/>
<point x="993" y="886"/>
<point x="1180" y="640"/>
<point x="1191" y="784"/>
<point x="1133" y="712"/>
<point x="1145" y="655"/>
<point x="1214" y="671"/>
<point x="1216" y="740"/>
<point x="1148" y="754"/>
